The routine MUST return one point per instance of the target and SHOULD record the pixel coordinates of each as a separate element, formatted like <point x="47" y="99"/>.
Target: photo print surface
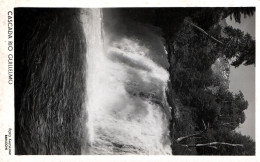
<point x="134" y="81"/>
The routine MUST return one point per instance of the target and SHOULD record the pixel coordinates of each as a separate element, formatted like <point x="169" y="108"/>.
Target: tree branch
<point x="178" y="140"/>
<point x="203" y="31"/>
<point x="213" y="145"/>
<point x="188" y="136"/>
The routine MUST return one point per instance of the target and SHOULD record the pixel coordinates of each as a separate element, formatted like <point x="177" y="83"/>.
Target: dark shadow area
<point x="50" y="65"/>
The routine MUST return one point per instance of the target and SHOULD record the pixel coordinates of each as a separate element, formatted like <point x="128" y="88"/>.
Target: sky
<point x="243" y="78"/>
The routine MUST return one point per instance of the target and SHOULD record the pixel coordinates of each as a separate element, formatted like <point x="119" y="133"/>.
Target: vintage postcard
<point x="157" y="81"/>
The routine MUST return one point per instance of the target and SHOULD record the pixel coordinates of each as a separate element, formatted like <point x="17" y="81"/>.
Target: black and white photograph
<point x="134" y="81"/>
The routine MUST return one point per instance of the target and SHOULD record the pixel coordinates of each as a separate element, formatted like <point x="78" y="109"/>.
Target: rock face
<point x="49" y="81"/>
<point x="126" y="102"/>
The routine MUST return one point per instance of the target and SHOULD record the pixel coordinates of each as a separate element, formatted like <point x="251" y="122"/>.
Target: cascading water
<point x="126" y="102"/>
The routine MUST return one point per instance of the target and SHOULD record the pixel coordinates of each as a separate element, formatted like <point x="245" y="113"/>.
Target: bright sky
<point x="243" y="78"/>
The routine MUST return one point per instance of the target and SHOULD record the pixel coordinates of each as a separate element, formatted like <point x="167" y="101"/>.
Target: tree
<point x="230" y="137"/>
<point x="194" y="51"/>
<point x="239" y="46"/>
<point x="232" y="107"/>
<point x="237" y="12"/>
<point x="211" y="142"/>
<point x="206" y="17"/>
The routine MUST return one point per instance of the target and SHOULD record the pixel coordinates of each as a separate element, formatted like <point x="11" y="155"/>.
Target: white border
<point x="7" y="91"/>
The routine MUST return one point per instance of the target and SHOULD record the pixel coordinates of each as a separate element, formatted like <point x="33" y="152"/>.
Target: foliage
<point x="237" y="12"/>
<point x="224" y="135"/>
<point x="193" y="78"/>
<point x="239" y="46"/>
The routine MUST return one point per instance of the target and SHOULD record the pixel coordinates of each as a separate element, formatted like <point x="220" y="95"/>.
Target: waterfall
<point x="126" y="102"/>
